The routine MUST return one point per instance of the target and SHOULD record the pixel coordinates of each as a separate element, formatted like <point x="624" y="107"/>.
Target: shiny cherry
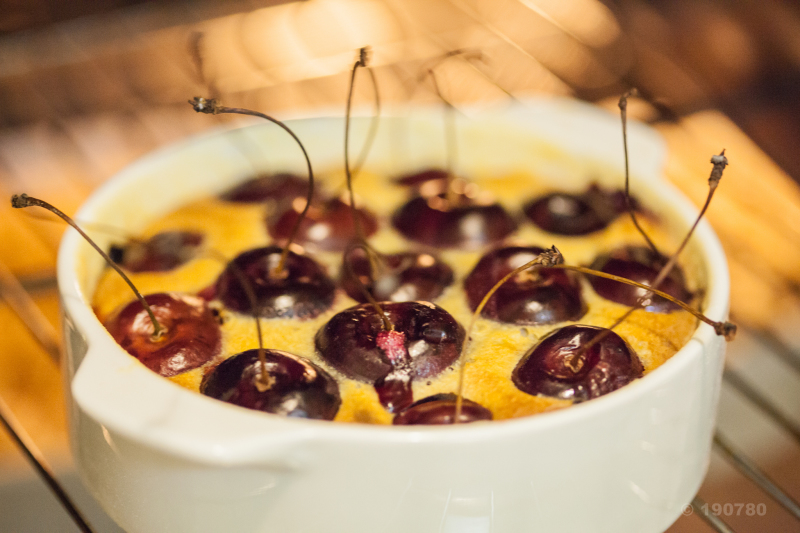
<point x="440" y="409"/>
<point x="642" y="265"/>
<point x="465" y="224"/>
<point x="161" y="252"/>
<point x="351" y="340"/>
<point x="327" y="227"/>
<point x="303" y="290"/>
<point x="541" y="296"/>
<point x="399" y="277"/>
<point x="550" y="368"/>
<point x="294" y="386"/>
<point x="190" y="339"/>
<point x="276" y="187"/>
<point x="576" y="214"/>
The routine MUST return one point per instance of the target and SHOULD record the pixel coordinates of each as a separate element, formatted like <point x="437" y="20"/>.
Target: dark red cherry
<point x="191" y="335"/>
<point x="467" y="224"/>
<point x="576" y="214"/>
<point x="541" y="296"/>
<point x="161" y="252"/>
<point x="327" y="227"/>
<point x="550" y="369"/>
<point x="400" y="277"/>
<point x="294" y="386"/>
<point x="424" y="176"/>
<point x="303" y="290"/>
<point x="441" y="409"/>
<point x="642" y="265"/>
<point x="355" y="343"/>
<point x="276" y="187"/>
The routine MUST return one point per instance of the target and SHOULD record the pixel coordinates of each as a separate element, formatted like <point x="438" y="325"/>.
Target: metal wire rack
<point x="80" y="102"/>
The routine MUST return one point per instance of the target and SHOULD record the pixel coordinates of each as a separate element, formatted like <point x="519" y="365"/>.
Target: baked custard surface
<point x="495" y="349"/>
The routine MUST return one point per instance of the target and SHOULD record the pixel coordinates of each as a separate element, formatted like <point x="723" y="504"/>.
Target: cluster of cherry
<point x="395" y="335"/>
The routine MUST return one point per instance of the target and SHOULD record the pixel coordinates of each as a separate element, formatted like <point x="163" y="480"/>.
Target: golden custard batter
<point x="495" y="349"/>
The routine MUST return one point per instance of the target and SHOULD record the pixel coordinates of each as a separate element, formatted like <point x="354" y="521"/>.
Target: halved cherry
<point x="559" y="366"/>
<point x="466" y="223"/>
<point x="276" y="187"/>
<point x="399" y="277"/>
<point x="353" y="341"/>
<point x="190" y="339"/>
<point x="441" y="409"/>
<point x="540" y="296"/>
<point x="328" y="227"/>
<point x="295" y="386"/>
<point x="576" y="214"/>
<point x="642" y="265"/>
<point x="161" y="252"/>
<point x="303" y="290"/>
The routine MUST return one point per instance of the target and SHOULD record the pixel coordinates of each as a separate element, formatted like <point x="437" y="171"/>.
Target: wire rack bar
<point x="711" y="519"/>
<point x="749" y="469"/>
<point x="769" y="408"/>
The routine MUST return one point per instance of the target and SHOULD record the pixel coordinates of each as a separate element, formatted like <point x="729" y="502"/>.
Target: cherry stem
<point x="263" y="382"/>
<point x="361" y="62"/>
<point x="548" y="258"/>
<point x="623" y="108"/>
<point x="387" y="323"/>
<point x="373" y="127"/>
<point x="23" y="200"/>
<point x="450" y="136"/>
<point x="211" y="107"/>
<point x="727" y="329"/>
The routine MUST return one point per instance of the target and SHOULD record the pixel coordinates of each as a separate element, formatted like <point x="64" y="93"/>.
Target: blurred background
<point x="88" y="86"/>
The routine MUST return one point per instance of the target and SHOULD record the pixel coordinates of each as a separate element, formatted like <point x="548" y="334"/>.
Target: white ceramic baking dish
<point x="162" y="459"/>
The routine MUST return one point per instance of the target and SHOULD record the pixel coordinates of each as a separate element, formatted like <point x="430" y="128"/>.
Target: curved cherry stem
<point x="450" y="136"/>
<point x="263" y="383"/>
<point x="623" y="108"/>
<point x="387" y="323"/>
<point x="211" y="107"/>
<point x="373" y="126"/>
<point x="361" y="62"/>
<point x="548" y="258"/>
<point x="719" y="163"/>
<point x="23" y="200"/>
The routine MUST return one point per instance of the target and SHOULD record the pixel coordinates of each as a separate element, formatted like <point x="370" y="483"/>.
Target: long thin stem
<point x="373" y="125"/>
<point x="263" y="382"/>
<point x="387" y="323"/>
<point x="547" y="258"/>
<point x="719" y="163"/>
<point x="23" y="200"/>
<point x="450" y="137"/>
<point x="623" y="108"/>
<point x="361" y="62"/>
<point x="29" y="449"/>
<point x="211" y="107"/>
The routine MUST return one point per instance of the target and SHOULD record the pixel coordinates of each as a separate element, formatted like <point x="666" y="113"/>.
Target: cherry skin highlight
<point x="466" y="224"/>
<point x="532" y="297"/>
<point x="350" y="340"/>
<point x="303" y="290"/>
<point x="161" y="252"/>
<point x="399" y="277"/>
<point x="440" y="409"/>
<point x="551" y="369"/>
<point x="642" y="265"/>
<point x="294" y="386"/>
<point x="328" y="227"/>
<point x="576" y="214"/>
<point x="192" y="335"/>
